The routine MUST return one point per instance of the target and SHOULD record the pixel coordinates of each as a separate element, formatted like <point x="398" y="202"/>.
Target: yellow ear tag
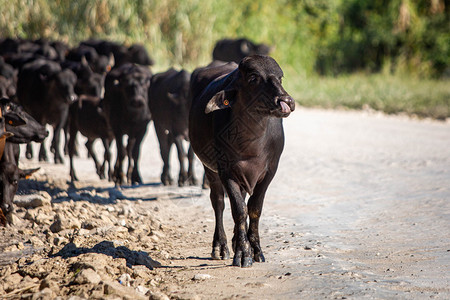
<point x="27" y="176"/>
<point x="10" y="122"/>
<point x="226" y="102"/>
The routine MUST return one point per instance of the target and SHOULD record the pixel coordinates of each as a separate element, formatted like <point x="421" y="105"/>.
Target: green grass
<point x="390" y="94"/>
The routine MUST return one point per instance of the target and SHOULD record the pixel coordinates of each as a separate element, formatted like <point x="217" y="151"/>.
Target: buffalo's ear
<point x="26" y="173"/>
<point x="4" y="101"/>
<point x="221" y="100"/>
<point x="6" y="134"/>
<point x="245" y="49"/>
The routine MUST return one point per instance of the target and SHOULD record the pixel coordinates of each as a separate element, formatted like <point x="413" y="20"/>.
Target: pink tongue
<point x="284" y="107"/>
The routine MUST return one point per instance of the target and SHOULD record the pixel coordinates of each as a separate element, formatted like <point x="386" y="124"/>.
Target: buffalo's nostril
<point x="137" y="103"/>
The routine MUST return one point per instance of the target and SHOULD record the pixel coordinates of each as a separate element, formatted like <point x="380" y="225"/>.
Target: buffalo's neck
<point x="245" y="135"/>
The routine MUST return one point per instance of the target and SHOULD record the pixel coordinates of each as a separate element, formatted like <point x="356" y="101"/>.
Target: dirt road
<point x="359" y="208"/>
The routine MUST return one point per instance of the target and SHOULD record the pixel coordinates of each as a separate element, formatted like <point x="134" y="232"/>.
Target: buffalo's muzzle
<point x="286" y="104"/>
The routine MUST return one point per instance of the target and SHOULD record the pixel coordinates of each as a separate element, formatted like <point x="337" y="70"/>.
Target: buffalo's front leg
<point x="42" y="153"/>
<point x="57" y="137"/>
<point x="254" y="205"/>
<point x="118" y="172"/>
<point x="219" y="247"/>
<point x="29" y="151"/>
<point x="71" y="148"/>
<point x="107" y="157"/>
<point x="241" y="245"/>
<point x="135" y="176"/>
<point x="130" y="145"/>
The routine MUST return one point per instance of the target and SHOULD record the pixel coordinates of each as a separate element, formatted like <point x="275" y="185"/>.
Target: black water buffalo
<point x="98" y="63"/>
<point x="88" y="82"/>
<point x="236" y="130"/>
<point x="169" y="106"/>
<point x="126" y="108"/>
<point x="136" y="53"/>
<point x="7" y="87"/>
<point x="236" y="50"/>
<point x="12" y="117"/>
<point x="8" y="79"/>
<point x="87" y="117"/>
<point x="46" y="90"/>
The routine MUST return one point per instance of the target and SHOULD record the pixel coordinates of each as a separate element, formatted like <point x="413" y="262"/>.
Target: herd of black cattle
<point x="105" y="90"/>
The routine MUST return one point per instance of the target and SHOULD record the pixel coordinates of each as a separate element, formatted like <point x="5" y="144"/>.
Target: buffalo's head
<point x="133" y="84"/>
<point x="256" y="87"/>
<point x="61" y="85"/>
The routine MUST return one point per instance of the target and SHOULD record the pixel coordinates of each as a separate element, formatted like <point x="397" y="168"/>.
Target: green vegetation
<point x="390" y="94"/>
<point x="382" y="53"/>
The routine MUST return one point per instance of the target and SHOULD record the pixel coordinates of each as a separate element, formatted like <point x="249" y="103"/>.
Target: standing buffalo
<point x="13" y="117"/>
<point x="236" y="130"/>
<point x="169" y="106"/>
<point x="86" y="116"/>
<point x="126" y="108"/>
<point x="46" y="90"/>
<point x="236" y="50"/>
<point x="136" y="53"/>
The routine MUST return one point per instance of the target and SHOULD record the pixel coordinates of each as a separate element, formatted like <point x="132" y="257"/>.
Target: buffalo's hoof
<point x="193" y="181"/>
<point x="259" y="257"/>
<point x="166" y="180"/>
<point x="243" y="262"/>
<point x="220" y="253"/>
<point x="136" y="181"/>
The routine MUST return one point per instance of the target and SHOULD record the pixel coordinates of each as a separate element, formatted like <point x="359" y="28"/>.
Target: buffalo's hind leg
<point x="100" y="168"/>
<point x="183" y="176"/>
<point x="191" y="175"/>
<point x="219" y="247"/>
<point x="164" y="146"/>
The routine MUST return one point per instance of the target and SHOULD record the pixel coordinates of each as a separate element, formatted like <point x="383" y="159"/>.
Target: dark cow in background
<point x="88" y="82"/>
<point x="236" y="130"/>
<point x="46" y="90"/>
<point x="100" y="64"/>
<point x="86" y="116"/>
<point x="236" y="49"/>
<point x="8" y="79"/>
<point x="126" y="108"/>
<point x="169" y="106"/>
<point x="136" y="53"/>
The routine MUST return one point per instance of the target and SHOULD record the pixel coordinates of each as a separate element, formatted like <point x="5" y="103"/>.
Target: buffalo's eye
<point x="253" y="79"/>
